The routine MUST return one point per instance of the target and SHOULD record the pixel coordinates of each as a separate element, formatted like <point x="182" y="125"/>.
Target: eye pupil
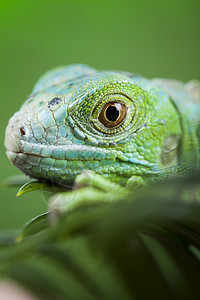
<point x="112" y="113"/>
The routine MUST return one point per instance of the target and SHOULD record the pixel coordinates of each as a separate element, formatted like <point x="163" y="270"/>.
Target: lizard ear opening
<point x="170" y="150"/>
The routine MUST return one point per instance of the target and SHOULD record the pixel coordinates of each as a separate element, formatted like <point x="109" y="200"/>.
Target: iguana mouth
<point x="48" y="161"/>
<point x="60" y="152"/>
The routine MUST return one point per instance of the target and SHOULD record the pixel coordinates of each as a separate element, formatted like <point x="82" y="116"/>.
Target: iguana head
<point x="107" y="122"/>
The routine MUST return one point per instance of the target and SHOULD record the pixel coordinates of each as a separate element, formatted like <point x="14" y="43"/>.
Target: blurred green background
<point x="153" y="38"/>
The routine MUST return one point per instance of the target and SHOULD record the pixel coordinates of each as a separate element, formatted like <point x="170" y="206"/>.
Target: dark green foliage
<point x="144" y="247"/>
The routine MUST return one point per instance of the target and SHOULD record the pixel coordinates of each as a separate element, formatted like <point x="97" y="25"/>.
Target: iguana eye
<point x="112" y="114"/>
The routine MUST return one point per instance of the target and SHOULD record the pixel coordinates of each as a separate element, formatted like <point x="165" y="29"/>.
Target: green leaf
<point x="32" y="186"/>
<point x="34" y="226"/>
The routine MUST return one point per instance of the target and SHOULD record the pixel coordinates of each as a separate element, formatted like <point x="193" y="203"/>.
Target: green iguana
<point x="125" y="129"/>
<point x="130" y="129"/>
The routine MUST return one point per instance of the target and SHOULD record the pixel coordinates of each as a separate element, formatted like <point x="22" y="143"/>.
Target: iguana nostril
<point x="22" y="130"/>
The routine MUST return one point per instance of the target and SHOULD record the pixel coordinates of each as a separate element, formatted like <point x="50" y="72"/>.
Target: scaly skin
<point x="57" y="133"/>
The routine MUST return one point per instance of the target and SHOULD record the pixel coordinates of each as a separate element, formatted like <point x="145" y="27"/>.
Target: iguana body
<point x="117" y="124"/>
